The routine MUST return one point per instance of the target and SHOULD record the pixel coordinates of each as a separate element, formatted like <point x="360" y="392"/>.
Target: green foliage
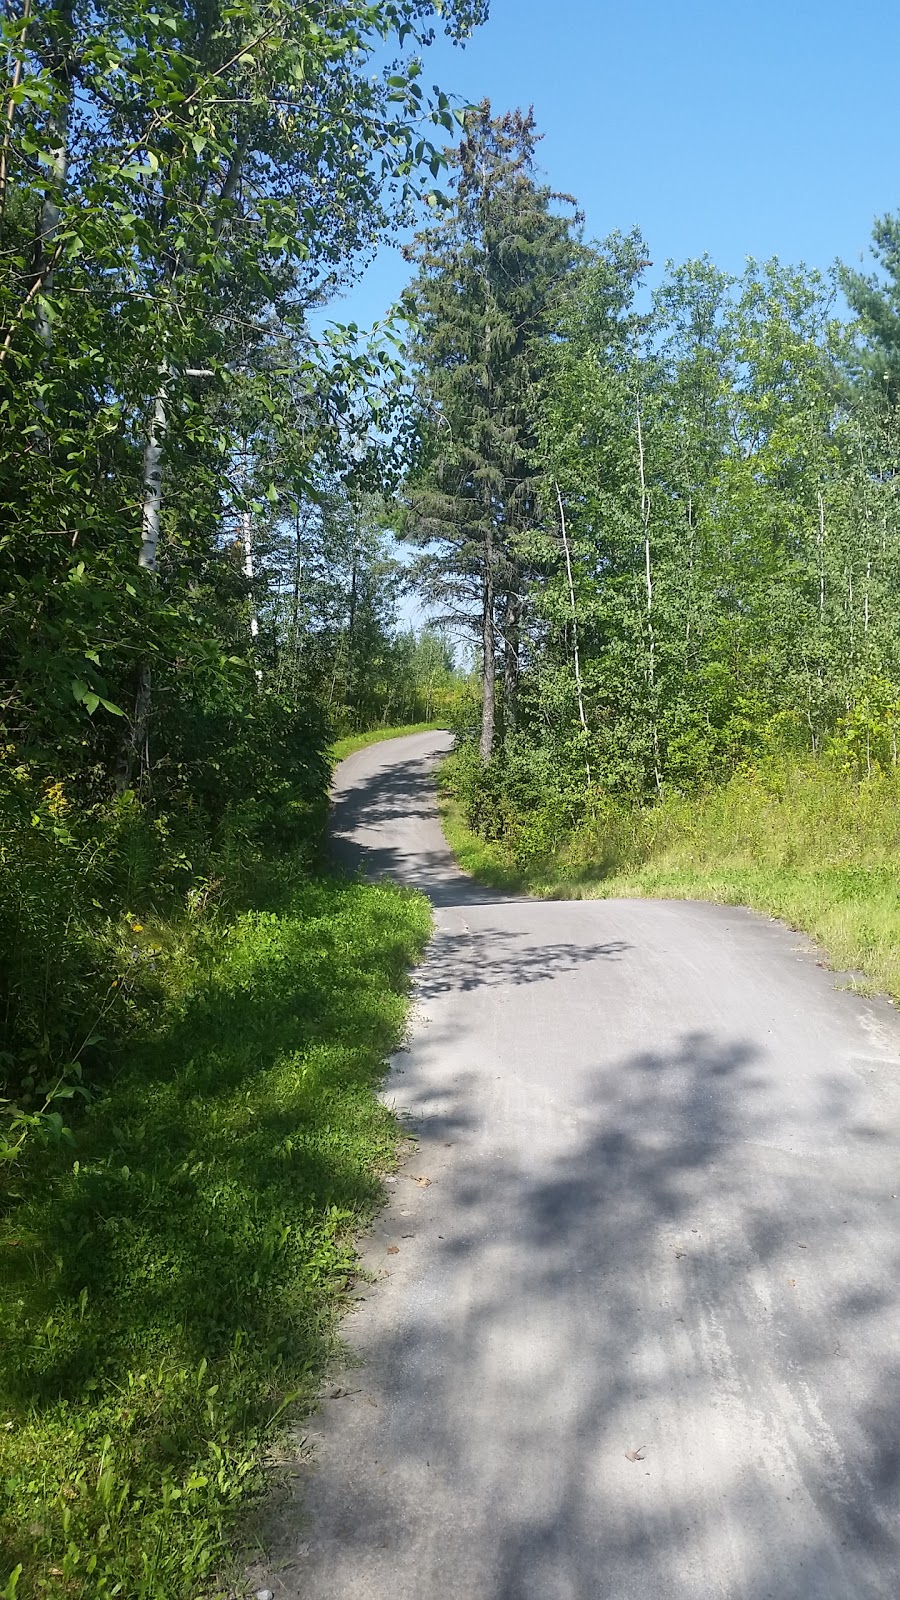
<point x="171" y="1284"/>
<point x="875" y="297"/>
<point x="75" y="879"/>
<point x="480" y="311"/>
<point x="809" y="842"/>
<point x="711" y="568"/>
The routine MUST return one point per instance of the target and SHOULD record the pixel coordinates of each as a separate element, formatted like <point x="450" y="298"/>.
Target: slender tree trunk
<point x="57" y="171"/>
<point x="298" y="574"/>
<point x="354" y="593"/>
<point x="648" y="571"/>
<point x="821" y="559"/>
<point x="247" y="547"/>
<point x="45" y="245"/>
<point x="135" y="752"/>
<point x="488" y="665"/>
<point x="136" y="748"/>
<point x="512" y="615"/>
<point x="151" y="504"/>
<point x="578" y="684"/>
<point x="690" y="518"/>
<point x="247" y="543"/>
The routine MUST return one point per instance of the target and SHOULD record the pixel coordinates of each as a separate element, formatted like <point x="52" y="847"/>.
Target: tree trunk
<point x="247" y="542"/>
<point x="578" y="684"/>
<point x="648" y="576"/>
<point x="136" y="748"/>
<point x="45" y="244"/>
<point x="512" y="615"/>
<point x="135" y="752"/>
<point x="488" y="664"/>
<point x="151" y="504"/>
<point x="11" y="111"/>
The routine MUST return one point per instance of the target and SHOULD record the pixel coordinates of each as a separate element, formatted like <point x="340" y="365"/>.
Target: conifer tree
<point x="481" y="309"/>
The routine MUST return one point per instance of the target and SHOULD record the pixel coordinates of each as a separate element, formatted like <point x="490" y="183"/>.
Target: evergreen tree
<point x="481" y="309"/>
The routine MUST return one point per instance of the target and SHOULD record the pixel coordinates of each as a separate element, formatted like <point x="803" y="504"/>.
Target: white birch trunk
<point x="247" y="542"/>
<point x="151" y="504"/>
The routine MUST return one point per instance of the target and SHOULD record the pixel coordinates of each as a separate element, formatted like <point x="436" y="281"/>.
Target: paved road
<point x="638" y="1335"/>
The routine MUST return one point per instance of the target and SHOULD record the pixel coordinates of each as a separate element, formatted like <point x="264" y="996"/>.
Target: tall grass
<point x="170" y="1282"/>
<point x="808" y="843"/>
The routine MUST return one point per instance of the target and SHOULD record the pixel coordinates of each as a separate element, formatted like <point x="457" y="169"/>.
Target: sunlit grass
<point x="172" y="1282"/>
<point x="359" y="741"/>
<point x="806" y="844"/>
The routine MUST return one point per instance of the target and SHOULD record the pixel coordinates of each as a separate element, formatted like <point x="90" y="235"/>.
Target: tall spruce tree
<point x="481" y="310"/>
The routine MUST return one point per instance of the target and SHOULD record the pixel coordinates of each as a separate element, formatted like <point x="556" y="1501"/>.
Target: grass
<point x="803" y="843"/>
<point x="342" y="748"/>
<point x="171" y="1284"/>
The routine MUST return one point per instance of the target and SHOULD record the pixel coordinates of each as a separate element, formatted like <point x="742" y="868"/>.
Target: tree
<point x="876" y="301"/>
<point x="163" y="228"/>
<point x="481" y="310"/>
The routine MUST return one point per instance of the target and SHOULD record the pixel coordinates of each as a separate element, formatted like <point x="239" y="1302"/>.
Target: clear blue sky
<point x="739" y="130"/>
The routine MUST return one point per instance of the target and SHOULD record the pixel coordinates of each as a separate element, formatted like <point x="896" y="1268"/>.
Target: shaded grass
<point x="172" y="1283"/>
<point x="805" y="843"/>
<point x="359" y="741"/>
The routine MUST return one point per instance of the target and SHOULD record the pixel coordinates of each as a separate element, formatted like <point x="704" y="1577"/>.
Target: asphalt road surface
<point x="636" y="1324"/>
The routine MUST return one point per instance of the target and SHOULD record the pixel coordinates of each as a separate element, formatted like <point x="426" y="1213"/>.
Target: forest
<point x="656" y="534"/>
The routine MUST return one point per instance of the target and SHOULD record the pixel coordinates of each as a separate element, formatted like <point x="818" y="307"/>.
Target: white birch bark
<point x="247" y="542"/>
<point x="151" y="504"/>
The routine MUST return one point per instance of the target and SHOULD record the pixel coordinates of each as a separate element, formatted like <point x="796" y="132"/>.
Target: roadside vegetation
<point x="671" y="522"/>
<point x="669" y="538"/>
<point x="801" y="842"/>
<point x="199" y="593"/>
<point x="172" y="1278"/>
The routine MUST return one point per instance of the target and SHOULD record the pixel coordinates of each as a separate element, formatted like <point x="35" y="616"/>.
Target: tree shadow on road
<point x="673" y="1276"/>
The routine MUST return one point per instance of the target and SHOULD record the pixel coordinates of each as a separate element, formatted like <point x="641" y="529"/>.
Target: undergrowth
<point x="806" y="842"/>
<point x="171" y="1279"/>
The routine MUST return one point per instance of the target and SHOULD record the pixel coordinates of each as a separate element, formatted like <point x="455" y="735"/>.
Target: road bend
<point x="634" y="1329"/>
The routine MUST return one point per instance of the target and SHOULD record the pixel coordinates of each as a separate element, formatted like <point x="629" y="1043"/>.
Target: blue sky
<point x="734" y="129"/>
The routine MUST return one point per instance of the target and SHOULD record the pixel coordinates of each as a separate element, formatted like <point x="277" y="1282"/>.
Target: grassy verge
<point x="171" y="1284"/>
<point x="805" y="844"/>
<point x="359" y="741"/>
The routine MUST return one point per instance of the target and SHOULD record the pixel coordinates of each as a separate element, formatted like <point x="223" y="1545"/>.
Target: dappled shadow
<point x="386" y="825"/>
<point x="481" y="958"/>
<point x="670" y="1275"/>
